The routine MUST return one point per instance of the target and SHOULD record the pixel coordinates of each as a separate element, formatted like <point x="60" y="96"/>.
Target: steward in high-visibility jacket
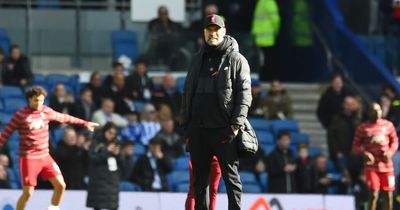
<point x="301" y="24"/>
<point x="266" y="23"/>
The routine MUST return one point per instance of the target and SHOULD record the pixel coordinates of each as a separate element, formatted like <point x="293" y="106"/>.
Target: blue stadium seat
<point x="265" y="137"/>
<point x="330" y="166"/>
<point x="268" y="148"/>
<point x="221" y="186"/>
<point x="139" y="105"/>
<point x="39" y="78"/>
<point x="252" y="188"/>
<point x="182" y="187"/>
<point x="13" y="146"/>
<point x="314" y="151"/>
<point x="128" y="186"/>
<point x="56" y="135"/>
<point x="11" y="174"/>
<point x="278" y="126"/>
<point x="264" y="181"/>
<point x="48" y="4"/>
<point x="1" y="105"/>
<point x="77" y="88"/>
<point x="5" y="42"/>
<point x="74" y="79"/>
<point x="124" y="43"/>
<point x="53" y="79"/>
<point x="179" y="176"/>
<point x="140" y="149"/>
<point x="259" y="124"/>
<point x="182" y="163"/>
<point x="248" y="177"/>
<point x="13" y="104"/>
<point x="180" y="83"/>
<point x="299" y="138"/>
<point x="11" y="92"/>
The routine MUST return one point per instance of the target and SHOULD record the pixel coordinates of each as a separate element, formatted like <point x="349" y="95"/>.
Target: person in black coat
<point x="128" y="149"/>
<point x="304" y="170"/>
<point x="281" y="167"/>
<point x="71" y="157"/>
<point x="95" y="85"/>
<point x="104" y="175"/>
<point x="18" y="71"/>
<point x="150" y="169"/>
<point x="85" y="106"/>
<point x="331" y="101"/>
<point x="139" y="83"/>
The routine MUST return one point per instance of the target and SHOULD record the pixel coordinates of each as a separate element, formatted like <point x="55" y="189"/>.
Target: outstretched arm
<point x="65" y="118"/>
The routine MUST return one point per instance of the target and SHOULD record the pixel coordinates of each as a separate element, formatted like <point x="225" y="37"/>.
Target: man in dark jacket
<point x="18" y="71"/>
<point x="216" y="100"/>
<point x="281" y="167"/>
<point x="341" y="131"/>
<point x="151" y="169"/>
<point x="71" y="157"/>
<point x="331" y="101"/>
<point x="139" y="83"/>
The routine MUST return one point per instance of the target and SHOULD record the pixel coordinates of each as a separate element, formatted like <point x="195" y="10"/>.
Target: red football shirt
<point x="33" y="129"/>
<point x="376" y="138"/>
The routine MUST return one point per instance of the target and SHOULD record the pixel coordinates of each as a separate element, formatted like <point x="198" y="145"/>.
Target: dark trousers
<point x="204" y="144"/>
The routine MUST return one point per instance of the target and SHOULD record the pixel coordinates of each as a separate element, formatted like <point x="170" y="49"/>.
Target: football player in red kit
<point x="32" y="123"/>
<point x="377" y="141"/>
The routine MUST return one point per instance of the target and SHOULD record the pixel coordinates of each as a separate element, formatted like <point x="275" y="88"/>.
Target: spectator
<point x="341" y="132"/>
<point x="61" y="100"/>
<point x="3" y="64"/>
<point x="278" y="102"/>
<point x="151" y="168"/>
<point x="119" y="93"/>
<point x="85" y="106"/>
<point x="196" y="27"/>
<point x="320" y="179"/>
<point x="266" y="30"/>
<point x="148" y="123"/>
<point x="169" y="95"/>
<point x="331" y="101"/>
<point x="18" y="70"/>
<point x="304" y="170"/>
<point x="163" y="37"/>
<point x="71" y="157"/>
<point x="104" y="165"/>
<point x="117" y="68"/>
<point x="258" y="107"/>
<point x="385" y="103"/>
<point x="4" y="160"/>
<point x="132" y="132"/>
<point x="107" y="114"/>
<point x="95" y="84"/>
<point x="128" y="163"/>
<point x="172" y="143"/>
<point x="4" y="181"/>
<point x="281" y="167"/>
<point x="393" y="114"/>
<point x="139" y="83"/>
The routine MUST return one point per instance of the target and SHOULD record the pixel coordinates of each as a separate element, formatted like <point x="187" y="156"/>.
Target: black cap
<point x="214" y="20"/>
